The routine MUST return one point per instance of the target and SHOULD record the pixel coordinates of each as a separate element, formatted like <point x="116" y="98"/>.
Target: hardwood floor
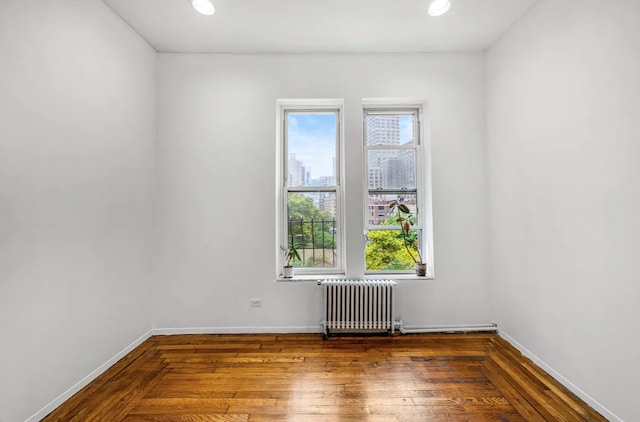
<point x="430" y="377"/>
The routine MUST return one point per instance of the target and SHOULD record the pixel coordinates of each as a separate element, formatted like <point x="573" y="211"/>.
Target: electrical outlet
<point x="255" y="303"/>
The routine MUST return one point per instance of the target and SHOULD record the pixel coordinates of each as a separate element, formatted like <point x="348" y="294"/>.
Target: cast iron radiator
<point x="357" y="306"/>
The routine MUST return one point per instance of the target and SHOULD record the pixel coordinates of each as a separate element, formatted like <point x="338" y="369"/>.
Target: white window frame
<point x="423" y="174"/>
<point x="284" y="106"/>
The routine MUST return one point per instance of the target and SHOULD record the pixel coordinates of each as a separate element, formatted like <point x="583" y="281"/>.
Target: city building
<point x="297" y="172"/>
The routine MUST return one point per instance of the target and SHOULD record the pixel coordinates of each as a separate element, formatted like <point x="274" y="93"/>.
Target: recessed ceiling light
<point x="203" y="6"/>
<point x="439" y="7"/>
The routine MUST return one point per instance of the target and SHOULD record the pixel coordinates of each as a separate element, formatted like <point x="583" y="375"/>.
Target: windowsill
<point x="317" y="278"/>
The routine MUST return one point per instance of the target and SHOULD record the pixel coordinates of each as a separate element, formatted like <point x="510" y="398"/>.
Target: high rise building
<point x="393" y="173"/>
<point x="328" y="203"/>
<point x="297" y="173"/>
<point x="383" y="130"/>
<point x="389" y="169"/>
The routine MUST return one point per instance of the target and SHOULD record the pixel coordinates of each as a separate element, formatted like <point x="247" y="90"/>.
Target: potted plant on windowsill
<point x="406" y="219"/>
<point x="290" y="254"/>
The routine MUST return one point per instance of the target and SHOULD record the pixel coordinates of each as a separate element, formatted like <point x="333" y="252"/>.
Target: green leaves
<point x="291" y="252"/>
<point x="385" y="250"/>
<point x="396" y="206"/>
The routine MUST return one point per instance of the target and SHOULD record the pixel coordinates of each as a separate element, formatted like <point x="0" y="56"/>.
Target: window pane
<point x="386" y="251"/>
<point x="390" y="129"/>
<point x="311" y="219"/>
<point x="379" y="211"/>
<point x="392" y="169"/>
<point x="311" y="149"/>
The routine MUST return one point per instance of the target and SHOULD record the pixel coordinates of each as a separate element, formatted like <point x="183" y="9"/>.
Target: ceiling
<point x="320" y="26"/>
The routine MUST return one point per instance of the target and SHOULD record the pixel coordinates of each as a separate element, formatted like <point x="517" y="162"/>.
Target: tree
<point x="322" y="236"/>
<point x="387" y="249"/>
<point x="301" y="207"/>
<point x="308" y="225"/>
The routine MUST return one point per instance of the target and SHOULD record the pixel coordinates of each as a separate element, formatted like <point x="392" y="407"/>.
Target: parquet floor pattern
<point x="430" y="377"/>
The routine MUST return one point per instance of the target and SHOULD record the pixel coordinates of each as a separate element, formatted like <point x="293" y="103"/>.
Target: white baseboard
<point x="237" y="330"/>
<point x="86" y="380"/>
<point x="562" y="380"/>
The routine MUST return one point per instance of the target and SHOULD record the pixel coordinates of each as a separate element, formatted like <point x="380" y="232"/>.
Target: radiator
<point x="358" y="306"/>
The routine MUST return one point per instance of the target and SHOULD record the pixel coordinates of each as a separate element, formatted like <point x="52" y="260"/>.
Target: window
<point x="394" y="163"/>
<point x="314" y="210"/>
<point x="310" y="213"/>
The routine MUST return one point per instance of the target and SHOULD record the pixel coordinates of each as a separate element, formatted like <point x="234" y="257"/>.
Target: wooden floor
<point x="431" y="377"/>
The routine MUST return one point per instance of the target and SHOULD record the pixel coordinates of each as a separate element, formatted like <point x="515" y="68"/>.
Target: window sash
<point x="285" y="131"/>
<point x="392" y="111"/>
<point x="338" y="268"/>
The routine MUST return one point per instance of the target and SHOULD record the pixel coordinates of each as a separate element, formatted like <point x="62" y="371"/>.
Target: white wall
<point x="77" y="127"/>
<point x="216" y="177"/>
<point x="564" y="185"/>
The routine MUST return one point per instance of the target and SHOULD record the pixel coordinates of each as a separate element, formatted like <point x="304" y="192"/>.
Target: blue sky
<point x="312" y="138"/>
